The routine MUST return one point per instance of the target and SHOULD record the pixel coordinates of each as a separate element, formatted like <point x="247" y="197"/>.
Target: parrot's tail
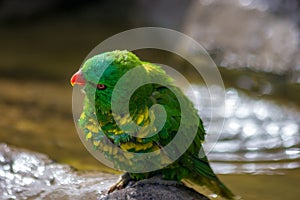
<point x="203" y="175"/>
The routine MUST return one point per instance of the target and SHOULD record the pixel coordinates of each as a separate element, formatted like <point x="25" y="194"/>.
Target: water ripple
<point x="258" y="136"/>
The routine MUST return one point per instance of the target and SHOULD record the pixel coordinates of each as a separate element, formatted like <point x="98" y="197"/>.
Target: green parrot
<point x="121" y="136"/>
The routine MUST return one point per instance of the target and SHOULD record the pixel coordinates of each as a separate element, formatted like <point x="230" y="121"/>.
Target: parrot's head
<point x="99" y="75"/>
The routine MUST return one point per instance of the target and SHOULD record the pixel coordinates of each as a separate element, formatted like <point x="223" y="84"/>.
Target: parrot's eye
<point x="101" y="86"/>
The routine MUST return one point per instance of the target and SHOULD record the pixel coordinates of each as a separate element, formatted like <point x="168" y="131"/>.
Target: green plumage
<point x="99" y="123"/>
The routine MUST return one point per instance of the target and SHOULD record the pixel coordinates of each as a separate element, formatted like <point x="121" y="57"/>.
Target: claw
<point x="121" y="184"/>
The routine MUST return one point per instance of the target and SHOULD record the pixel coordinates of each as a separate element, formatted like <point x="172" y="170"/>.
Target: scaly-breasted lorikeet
<point x="99" y="76"/>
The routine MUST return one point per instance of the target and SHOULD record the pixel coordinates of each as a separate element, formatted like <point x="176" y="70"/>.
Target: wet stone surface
<point x="29" y="175"/>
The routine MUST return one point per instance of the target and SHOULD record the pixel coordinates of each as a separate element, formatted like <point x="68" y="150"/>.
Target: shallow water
<point x="258" y="136"/>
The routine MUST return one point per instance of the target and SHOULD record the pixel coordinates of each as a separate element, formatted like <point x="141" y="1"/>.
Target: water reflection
<point x="258" y="136"/>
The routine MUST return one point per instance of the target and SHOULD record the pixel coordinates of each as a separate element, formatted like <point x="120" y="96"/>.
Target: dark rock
<point x="154" y="190"/>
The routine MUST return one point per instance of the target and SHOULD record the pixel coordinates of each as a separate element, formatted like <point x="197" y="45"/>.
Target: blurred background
<point x="255" y="44"/>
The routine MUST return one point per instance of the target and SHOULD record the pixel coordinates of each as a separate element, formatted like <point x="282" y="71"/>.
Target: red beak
<point x="78" y="79"/>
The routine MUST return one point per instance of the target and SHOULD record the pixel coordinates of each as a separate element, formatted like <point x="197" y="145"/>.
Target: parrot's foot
<point x="122" y="183"/>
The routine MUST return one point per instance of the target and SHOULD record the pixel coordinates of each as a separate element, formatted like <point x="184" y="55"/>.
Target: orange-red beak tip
<point x="77" y="79"/>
